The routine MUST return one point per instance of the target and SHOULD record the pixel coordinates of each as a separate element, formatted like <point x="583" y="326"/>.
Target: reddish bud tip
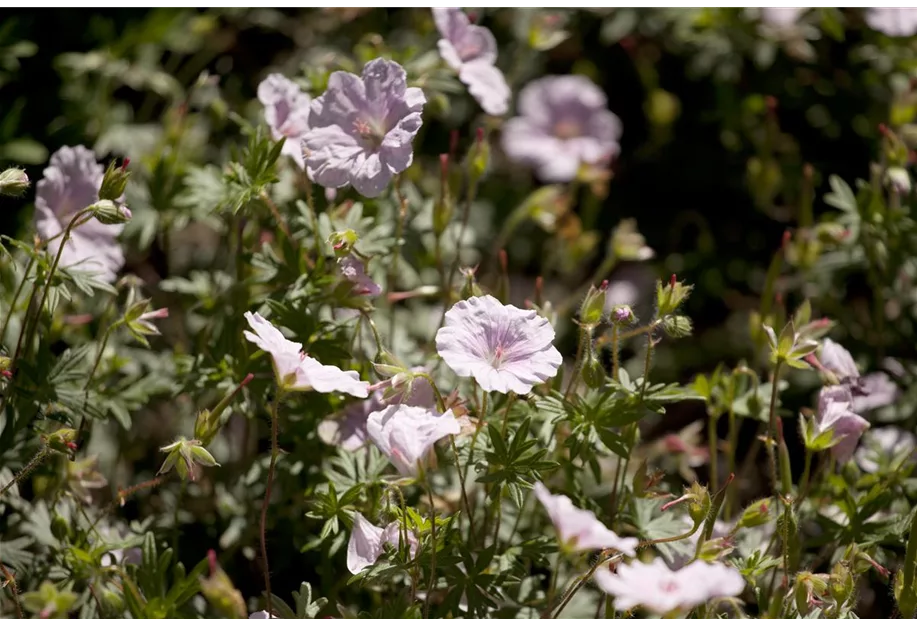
<point x="808" y="171"/>
<point x="248" y="379"/>
<point x="771" y="103"/>
<point x="472" y="17"/>
<point x="604" y="285"/>
<point x="71" y="446"/>
<point x="338" y="245"/>
<point x="212" y="561"/>
<point x="6" y="373"/>
<point x="504" y="260"/>
<point x="672" y="280"/>
<point x="453" y="141"/>
<point x="883" y="130"/>
<point x="444" y="163"/>
<point x="779" y="422"/>
<point x="479" y="134"/>
<point x="787" y="236"/>
<point x="125" y="163"/>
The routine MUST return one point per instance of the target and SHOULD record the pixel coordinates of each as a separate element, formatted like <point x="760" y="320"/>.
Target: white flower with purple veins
<point x="471" y="51"/>
<point x="885" y="448"/>
<point x="362" y="128"/>
<point x="349" y="429"/>
<point x="354" y="271"/>
<point x="894" y="22"/>
<point x="406" y="434"/>
<point x="70" y="184"/>
<point x="286" y="111"/>
<point x="579" y="529"/>
<point x="870" y="391"/>
<point x="295" y="371"/>
<point x="662" y="590"/>
<point x="835" y="415"/>
<point x="367" y="542"/>
<point x="503" y="347"/>
<point x="564" y="122"/>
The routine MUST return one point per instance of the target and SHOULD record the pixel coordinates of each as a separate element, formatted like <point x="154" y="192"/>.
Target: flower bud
<point x="593" y="371"/>
<point x="478" y="158"/>
<point x="677" y="326"/>
<point x="110" y="212"/>
<point x="470" y="286"/>
<point x="716" y="549"/>
<point x="13" y="182"/>
<point x="756" y="514"/>
<point x="593" y="308"/>
<point x="114" y="181"/>
<point x="220" y="592"/>
<point x="622" y="315"/>
<point x="342" y="242"/>
<point x="670" y="296"/>
<point x="185" y="455"/>
<point x="62" y="440"/>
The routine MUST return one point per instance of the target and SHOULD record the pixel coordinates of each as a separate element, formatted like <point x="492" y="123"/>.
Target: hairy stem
<point x="36" y="460"/>
<point x="14" y="590"/>
<point x="396" y="253"/>
<point x="9" y="313"/>
<point x="432" y="581"/>
<point x="275" y="450"/>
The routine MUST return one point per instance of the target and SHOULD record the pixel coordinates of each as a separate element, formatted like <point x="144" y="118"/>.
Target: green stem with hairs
<point x="9" y="313"/>
<point x="275" y="451"/>
<point x="36" y="460"/>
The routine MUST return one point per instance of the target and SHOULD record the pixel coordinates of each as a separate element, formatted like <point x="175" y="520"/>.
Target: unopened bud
<point x="593" y="371"/>
<point x="593" y="308"/>
<point x="13" y="182"/>
<point x="114" y="181"/>
<point x="110" y="212"/>
<point x="622" y="315"/>
<point x="671" y="296"/>
<point x="342" y="242"/>
<point x="470" y="287"/>
<point x="677" y="326"/>
<point x="478" y="157"/>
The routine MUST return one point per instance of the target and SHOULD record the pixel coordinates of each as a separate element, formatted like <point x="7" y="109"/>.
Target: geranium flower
<point x="348" y="430"/>
<point x="406" y="434"/>
<point x="71" y="183"/>
<point x="297" y="371"/>
<point x="471" y="51"/>
<point x="661" y="590"/>
<point x="367" y="542"/>
<point x="835" y="415"/>
<point x="894" y="22"/>
<point x="564" y="122"/>
<point x="354" y="271"/>
<point x="362" y="128"/>
<point x="261" y="614"/>
<point x="286" y="111"/>
<point x="867" y="392"/>
<point x="579" y="529"/>
<point x="885" y="448"/>
<point x="503" y="347"/>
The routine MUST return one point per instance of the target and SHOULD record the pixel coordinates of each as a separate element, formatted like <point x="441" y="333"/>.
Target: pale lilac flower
<point x="348" y="430"/>
<point x="781" y="18"/>
<point x="835" y="415"/>
<point x="362" y="128"/>
<point x="297" y="371"/>
<point x="286" y="111"/>
<point x="564" y="122"/>
<point x="367" y="543"/>
<point x="885" y="448"/>
<point x="661" y="590"/>
<point x="503" y="347"/>
<point x="156" y="314"/>
<point x="894" y="22"/>
<point x="70" y="184"/>
<point x="871" y="391"/>
<point x="354" y="271"/>
<point x="261" y="614"/>
<point x="407" y="434"/>
<point x="471" y="51"/>
<point x="579" y="529"/>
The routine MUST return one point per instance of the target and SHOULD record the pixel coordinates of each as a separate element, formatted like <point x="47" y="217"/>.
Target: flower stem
<point x="9" y="313"/>
<point x="432" y="581"/>
<point x="772" y="429"/>
<point x="14" y="590"/>
<point x="313" y="219"/>
<point x="466" y="212"/>
<point x="440" y="402"/>
<point x="36" y="460"/>
<point x="714" y="456"/>
<point x="95" y="366"/>
<point x="584" y="337"/>
<point x="396" y="252"/>
<point x="804" y="481"/>
<point x="614" y="352"/>
<point x="267" y="499"/>
<point x="732" y="438"/>
<point x="278" y="218"/>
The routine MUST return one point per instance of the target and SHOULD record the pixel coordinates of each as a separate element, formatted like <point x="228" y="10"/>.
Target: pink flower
<point x="286" y="111"/>
<point x="897" y="22"/>
<point x="295" y="371"/>
<point x="145" y="318"/>
<point x="406" y="434"/>
<point x="261" y="614"/>
<point x="471" y="51"/>
<point x="353" y="270"/>
<point x="348" y="430"/>
<point x="503" y="347"/>
<point x="367" y="542"/>
<point x="579" y="529"/>
<point x="867" y="392"/>
<point x="661" y="590"/>
<point x="835" y="415"/>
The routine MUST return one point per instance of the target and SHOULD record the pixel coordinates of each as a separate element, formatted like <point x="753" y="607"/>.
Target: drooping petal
<point x="894" y="22"/>
<point x="267" y="337"/>
<point x="406" y="434"/>
<point x="838" y="359"/>
<point x="365" y="545"/>
<point x="487" y="85"/>
<point x="286" y="111"/>
<point x="579" y="529"/>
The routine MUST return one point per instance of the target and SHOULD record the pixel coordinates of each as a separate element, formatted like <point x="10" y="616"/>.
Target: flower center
<point x="371" y="133"/>
<point x="668" y="586"/>
<point x="567" y="129"/>
<point x="497" y="359"/>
